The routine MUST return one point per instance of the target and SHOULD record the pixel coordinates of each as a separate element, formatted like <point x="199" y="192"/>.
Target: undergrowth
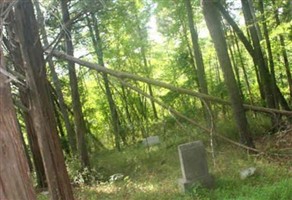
<point x="152" y="173"/>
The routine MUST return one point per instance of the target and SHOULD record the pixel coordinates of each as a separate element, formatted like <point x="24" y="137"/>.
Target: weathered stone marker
<point x="151" y="141"/>
<point x="194" y="166"/>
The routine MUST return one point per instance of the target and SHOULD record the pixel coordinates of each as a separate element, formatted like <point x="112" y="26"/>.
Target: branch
<point x="124" y="75"/>
<point x="236" y="29"/>
<point x="175" y="112"/>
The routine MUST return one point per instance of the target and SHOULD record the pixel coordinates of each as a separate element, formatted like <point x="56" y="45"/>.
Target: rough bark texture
<point x="15" y="181"/>
<point x="14" y="49"/>
<point x="77" y="108"/>
<point x="69" y="128"/>
<point x="40" y="102"/>
<point x="36" y="153"/>
<point x="214" y="25"/>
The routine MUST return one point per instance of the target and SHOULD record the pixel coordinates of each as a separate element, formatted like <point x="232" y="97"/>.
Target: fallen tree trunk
<point x="191" y="121"/>
<point x="124" y="75"/>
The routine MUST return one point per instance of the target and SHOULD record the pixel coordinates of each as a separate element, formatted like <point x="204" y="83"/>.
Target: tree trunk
<point x="30" y="166"/>
<point x="214" y="25"/>
<point x="259" y="56"/>
<point x="14" y="50"/>
<point x="152" y="102"/>
<point x="283" y="50"/>
<point x="15" y="181"/>
<point x="77" y="109"/>
<point x="40" y="102"/>
<point x="97" y="43"/>
<point x="244" y="70"/>
<point x="269" y="49"/>
<point x="63" y="139"/>
<point x="69" y="128"/>
<point x="203" y="88"/>
<point x="237" y="30"/>
<point x="245" y="42"/>
<point x="36" y="153"/>
<point x="192" y="59"/>
<point x="33" y="143"/>
<point x="235" y="66"/>
<point x="196" y="49"/>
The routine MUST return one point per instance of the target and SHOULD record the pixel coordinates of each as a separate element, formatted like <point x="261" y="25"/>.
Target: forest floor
<point x="152" y="173"/>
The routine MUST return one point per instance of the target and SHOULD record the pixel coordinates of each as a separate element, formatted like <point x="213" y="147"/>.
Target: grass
<point x="152" y="174"/>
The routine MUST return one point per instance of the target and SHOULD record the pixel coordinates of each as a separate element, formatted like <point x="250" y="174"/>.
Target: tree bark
<point x="14" y="50"/>
<point x="15" y="181"/>
<point x="36" y="153"/>
<point x="214" y="25"/>
<point x="40" y="102"/>
<point x="69" y="128"/>
<point x="77" y="109"/>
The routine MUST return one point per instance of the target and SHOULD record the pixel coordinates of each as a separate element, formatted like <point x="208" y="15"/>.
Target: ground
<point x="152" y="173"/>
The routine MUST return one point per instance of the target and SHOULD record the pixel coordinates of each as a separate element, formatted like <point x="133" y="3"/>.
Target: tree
<point x="283" y="49"/>
<point x="97" y="43"/>
<point x="15" y="181"/>
<point x="13" y="48"/>
<point x="259" y="56"/>
<point x="77" y="109"/>
<point x="196" y="50"/>
<point x="212" y="18"/>
<point x="70" y="130"/>
<point x="40" y="102"/>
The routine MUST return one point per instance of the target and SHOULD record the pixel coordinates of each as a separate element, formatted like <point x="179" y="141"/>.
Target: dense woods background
<point x="81" y="77"/>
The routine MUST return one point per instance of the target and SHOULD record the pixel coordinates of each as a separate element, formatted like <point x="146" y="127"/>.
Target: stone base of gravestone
<point x="194" y="166"/>
<point x="186" y="185"/>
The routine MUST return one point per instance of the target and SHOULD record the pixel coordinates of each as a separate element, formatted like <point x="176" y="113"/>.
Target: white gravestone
<point x="150" y="141"/>
<point x="194" y="166"/>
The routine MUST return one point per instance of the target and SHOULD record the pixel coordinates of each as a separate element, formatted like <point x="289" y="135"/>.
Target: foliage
<point x="152" y="173"/>
<point x="83" y="176"/>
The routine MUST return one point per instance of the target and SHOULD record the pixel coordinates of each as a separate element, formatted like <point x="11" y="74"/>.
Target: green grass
<point x="153" y="173"/>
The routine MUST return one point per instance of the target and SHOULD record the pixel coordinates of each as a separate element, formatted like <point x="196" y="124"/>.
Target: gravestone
<point x="151" y="140"/>
<point x="194" y="166"/>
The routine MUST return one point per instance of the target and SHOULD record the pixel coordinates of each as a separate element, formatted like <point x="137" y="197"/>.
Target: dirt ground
<point x="278" y="146"/>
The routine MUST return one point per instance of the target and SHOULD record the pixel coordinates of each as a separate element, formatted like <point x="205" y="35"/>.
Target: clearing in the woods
<point x="152" y="173"/>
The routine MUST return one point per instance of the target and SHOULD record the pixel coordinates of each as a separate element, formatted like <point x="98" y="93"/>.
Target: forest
<point x="100" y="98"/>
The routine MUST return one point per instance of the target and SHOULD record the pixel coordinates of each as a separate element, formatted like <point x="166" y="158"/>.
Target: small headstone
<point x="151" y="141"/>
<point x="194" y="166"/>
<point x="247" y="172"/>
